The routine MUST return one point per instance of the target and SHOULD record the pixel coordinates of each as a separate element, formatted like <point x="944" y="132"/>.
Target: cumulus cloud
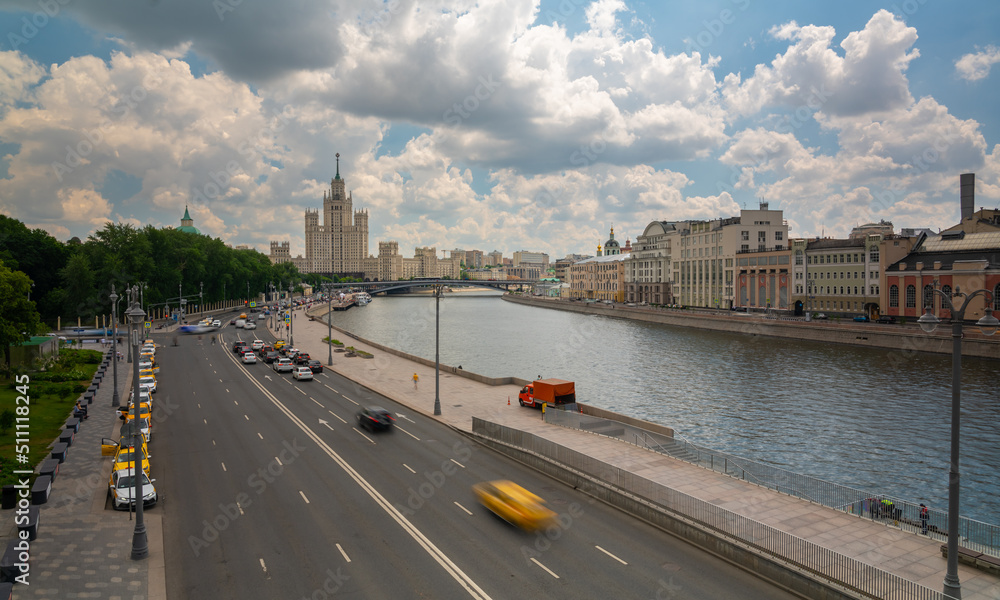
<point x="976" y="66"/>
<point x="868" y="78"/>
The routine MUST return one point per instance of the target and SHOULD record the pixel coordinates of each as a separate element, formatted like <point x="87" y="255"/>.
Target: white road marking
<point x="199" y="405"/>
<point x="317" y="403"/>
<point x="348" y="399"/>
<point x="407" y="433"/>
<point x="338" y="416"/>
<point x="409" y="469"/>
<point x="213" y="442"/>
<point x="206" y="423"/>
<point x="223" y="468"/>
<point x="303" y="494"/>
<point x="363" y="435"/>
<point x="611" y="555"/>
<point x="246" y="417"/>
<point x="263" y="566"/>
<point x="322" y="422"/>
<point x="278" y="460"/>
<point x="227" y="390"/>
<point x="259" y="435"/>
<point x="544" y="567"/>
<point x="347" y="558"/>
<point x="467" y="511"/>
<point x="236" y="403"/>
<point x="406" y="417"/>
<point x="301" y="392"/>
<point x="240" y="507"/>
<point x="457" y="463"/>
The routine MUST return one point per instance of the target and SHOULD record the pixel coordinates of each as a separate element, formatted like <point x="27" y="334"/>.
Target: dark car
<point x="240" y="348"/>
<point x="264" y="350"/>
<point x="271" y="356"/>
<point x="315" y="366"/>
<point x="375" y="418"/>
<point x="887" y="319"/>
<point x="302" y="359"/>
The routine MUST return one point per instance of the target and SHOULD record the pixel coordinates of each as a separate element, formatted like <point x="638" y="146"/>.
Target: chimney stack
<point x="968" y="195"/>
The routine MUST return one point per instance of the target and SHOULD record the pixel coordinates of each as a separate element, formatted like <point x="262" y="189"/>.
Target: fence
<point x="895" y="512"/>
<point x="796" y="552"/>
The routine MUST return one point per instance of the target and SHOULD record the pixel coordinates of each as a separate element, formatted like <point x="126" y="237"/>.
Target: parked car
<point x="282" y="365"/>
<point x="375" y="418"/>
<point x="820" y="316"/>
<point x="249" y="358"/>
<point x="887" y="319"/>
<point x="302" y="373"/>
<point x="122" y="487"/>
<point x="514" y="504"/>
<point x="315" y="366"/>
<point x="861" y="319"/>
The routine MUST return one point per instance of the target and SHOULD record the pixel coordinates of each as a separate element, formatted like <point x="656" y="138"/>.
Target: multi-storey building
<point x="280" y="253"/>
<point x="340" y="244"/>
<point x="494" y="259"/>
<point x="704" y="255"/>
<point x="523" y="258"/>
<point x="601" y="277"/>
<point x="474" y="259"/>
<point x="648" y="267"/>
<point x="762" y="279"/>
<point x="390" y="265"/>
<point x="562" y="265"/>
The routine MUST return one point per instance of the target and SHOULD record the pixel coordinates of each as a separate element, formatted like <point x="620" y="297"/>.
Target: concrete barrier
<point x="41" y="489"/>
<point x="66" y="437"/>
<point x="30" y="525"/>
<point x="59" y="452"/>
<point x="49" y="468"/>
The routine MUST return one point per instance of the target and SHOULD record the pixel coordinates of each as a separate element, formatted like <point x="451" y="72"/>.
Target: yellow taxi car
<point x="123" y="459"/>
<point x="514" y="504"/>
<point x="279" y="344"/>
<point x="126" y="413"/>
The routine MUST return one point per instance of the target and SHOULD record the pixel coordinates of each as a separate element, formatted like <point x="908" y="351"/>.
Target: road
<point x="268" y="490"/>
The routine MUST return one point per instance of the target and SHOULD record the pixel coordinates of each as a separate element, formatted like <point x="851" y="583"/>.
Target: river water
<point x="877" y="420"/>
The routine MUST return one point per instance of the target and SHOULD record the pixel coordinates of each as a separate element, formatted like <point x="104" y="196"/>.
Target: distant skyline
<point x="515" y="125"/>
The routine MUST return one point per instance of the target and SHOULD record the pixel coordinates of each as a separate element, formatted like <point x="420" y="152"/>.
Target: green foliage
<point x="18" y="317"/>
<point x="57" y="376"/>
<point x="6" y="421"/>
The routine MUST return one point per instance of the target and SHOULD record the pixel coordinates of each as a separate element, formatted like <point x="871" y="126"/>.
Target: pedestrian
<point x="213" y="340"/>
<point x="415" y="379"/>
<point x="925" y="516"/>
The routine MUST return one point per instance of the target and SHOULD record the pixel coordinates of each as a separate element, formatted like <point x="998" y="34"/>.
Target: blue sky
<point x="517" y="125"/>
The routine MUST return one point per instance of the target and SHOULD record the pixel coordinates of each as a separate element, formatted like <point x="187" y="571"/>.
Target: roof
<point x="827" y="243"/>
<point x="960" y="241"/>
<point x="603" y="259"/>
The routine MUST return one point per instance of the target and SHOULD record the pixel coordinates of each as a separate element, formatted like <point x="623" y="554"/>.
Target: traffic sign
<point x="149" y="325"/>
<point x="253" y="304"/>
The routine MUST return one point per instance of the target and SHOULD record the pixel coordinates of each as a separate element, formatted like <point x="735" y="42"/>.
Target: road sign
<point x="149" y="325"/>
<point x="253" y="304"/>
<point x="288" y="318"/>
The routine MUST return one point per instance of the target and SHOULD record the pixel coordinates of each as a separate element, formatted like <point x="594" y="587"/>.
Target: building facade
<point x="648" y="267"/>
<point x="763" y="279"/>
<point x="598" y="278"/>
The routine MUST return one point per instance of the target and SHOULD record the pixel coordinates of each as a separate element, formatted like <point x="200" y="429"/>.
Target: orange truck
<point x="548" y="391"/>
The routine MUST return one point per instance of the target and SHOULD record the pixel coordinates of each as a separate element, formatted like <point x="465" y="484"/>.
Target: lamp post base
<point x="140" y="545"/>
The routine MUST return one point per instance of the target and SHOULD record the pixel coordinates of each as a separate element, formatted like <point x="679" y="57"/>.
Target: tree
<point x="18" y="318"/>
<point x="78" y="281"/>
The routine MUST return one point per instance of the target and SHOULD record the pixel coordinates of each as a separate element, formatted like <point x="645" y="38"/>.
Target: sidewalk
<point x="83" y="550"/>
<point x="910" y="556"/>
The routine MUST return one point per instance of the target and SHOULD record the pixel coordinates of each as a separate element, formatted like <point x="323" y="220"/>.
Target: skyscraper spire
<point x="338" y="166"/>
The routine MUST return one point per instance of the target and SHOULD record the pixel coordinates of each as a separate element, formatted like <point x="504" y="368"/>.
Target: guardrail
<point x="823" y="563"/>
<point x="892" y="511"/>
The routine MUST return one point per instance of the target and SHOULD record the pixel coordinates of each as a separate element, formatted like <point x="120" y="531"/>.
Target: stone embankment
<point x="905" y="338"/>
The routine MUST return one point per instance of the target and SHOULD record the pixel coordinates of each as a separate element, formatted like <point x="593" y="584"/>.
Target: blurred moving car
<point x="514" y="504"/>
<point x="820" y="316"/>
<point x="375" y="418"/>
<point x="861" y="319"/>
<point x="121" y="488"/>
<point x="886" y="319"/>
<point x="250" y="325"/>
<point x="302" y="373"/>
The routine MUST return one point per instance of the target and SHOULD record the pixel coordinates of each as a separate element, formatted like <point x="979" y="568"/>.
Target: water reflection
<point x="872" y="419"/>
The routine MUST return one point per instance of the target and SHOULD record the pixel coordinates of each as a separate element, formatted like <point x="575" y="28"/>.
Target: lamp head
<point x="988" y="324"/>
<point x="928" y="321"/>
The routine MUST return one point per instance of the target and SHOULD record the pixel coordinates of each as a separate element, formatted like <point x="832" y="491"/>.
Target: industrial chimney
<point x="968" y="195"/>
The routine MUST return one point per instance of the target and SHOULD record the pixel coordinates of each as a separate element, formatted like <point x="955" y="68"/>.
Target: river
<point x="831" y="411"/>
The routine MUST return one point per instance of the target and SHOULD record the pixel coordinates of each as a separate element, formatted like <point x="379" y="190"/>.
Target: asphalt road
<point x="269" y="490"/>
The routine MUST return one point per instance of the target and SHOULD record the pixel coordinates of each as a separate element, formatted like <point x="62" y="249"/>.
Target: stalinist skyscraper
<point x="340" y="244"/>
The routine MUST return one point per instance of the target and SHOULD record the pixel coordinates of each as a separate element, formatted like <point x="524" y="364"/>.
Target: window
<point x="928" y="296"/>
<point x="894" y="296"/>
<point x="762" y="236"/>
<point x="911" y="296"/>
<point x="745" y="248"/>
<point x="946" y="290"/>
<point x="873" y="255"/>
<point x="745" y="236"/>
<point x="798" y="257"/>
<point x="996" y="298"/>
<point x="777" y="235"/>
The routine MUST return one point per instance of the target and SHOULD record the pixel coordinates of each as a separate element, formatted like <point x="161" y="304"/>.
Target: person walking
<point x="925" y="516"/>
<point x="415" y="379"/>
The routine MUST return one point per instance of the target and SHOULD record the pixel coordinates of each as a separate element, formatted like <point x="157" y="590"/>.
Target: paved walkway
<point x="83" y="549"/>
<point x="907" y="555"/>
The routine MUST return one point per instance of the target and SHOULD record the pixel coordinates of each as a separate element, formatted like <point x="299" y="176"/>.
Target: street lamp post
<point x="115" y="401"/>
<point x="140" y="545"/>
<point x="291" y="318"/>
<point x="988" y="325"/>
<point x="329" y="326"/>
<point x="437" y="350"/>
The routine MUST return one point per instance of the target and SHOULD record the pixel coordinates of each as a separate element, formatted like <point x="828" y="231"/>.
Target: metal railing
<point x="892" y="511"/>
<point x="821" y="562"/>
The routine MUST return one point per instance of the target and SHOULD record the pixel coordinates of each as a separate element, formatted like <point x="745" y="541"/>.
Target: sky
<point x="495" y="124"/>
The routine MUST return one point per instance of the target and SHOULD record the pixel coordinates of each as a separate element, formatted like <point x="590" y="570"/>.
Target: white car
<point x="283" y="365"/>
<point x="250" y="325"/>
<point x="249" y="358"/>
<point x="292" y="352"/>
<point x="216" y="323"/>
<point x="257" y="344"/>
<point x="122" y="489"/>
<point x="261" y="317"/>
<point x="148" y="381"/>
<point x="302" y="373"/>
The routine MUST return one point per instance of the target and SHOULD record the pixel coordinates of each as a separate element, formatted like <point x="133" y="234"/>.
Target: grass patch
<point x="358" y="352"/>
<point x="51" y="394"/>
<point x="334" y="342"/>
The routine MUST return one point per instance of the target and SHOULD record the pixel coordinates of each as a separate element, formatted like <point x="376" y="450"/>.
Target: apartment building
<point x="648" y="267"/>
